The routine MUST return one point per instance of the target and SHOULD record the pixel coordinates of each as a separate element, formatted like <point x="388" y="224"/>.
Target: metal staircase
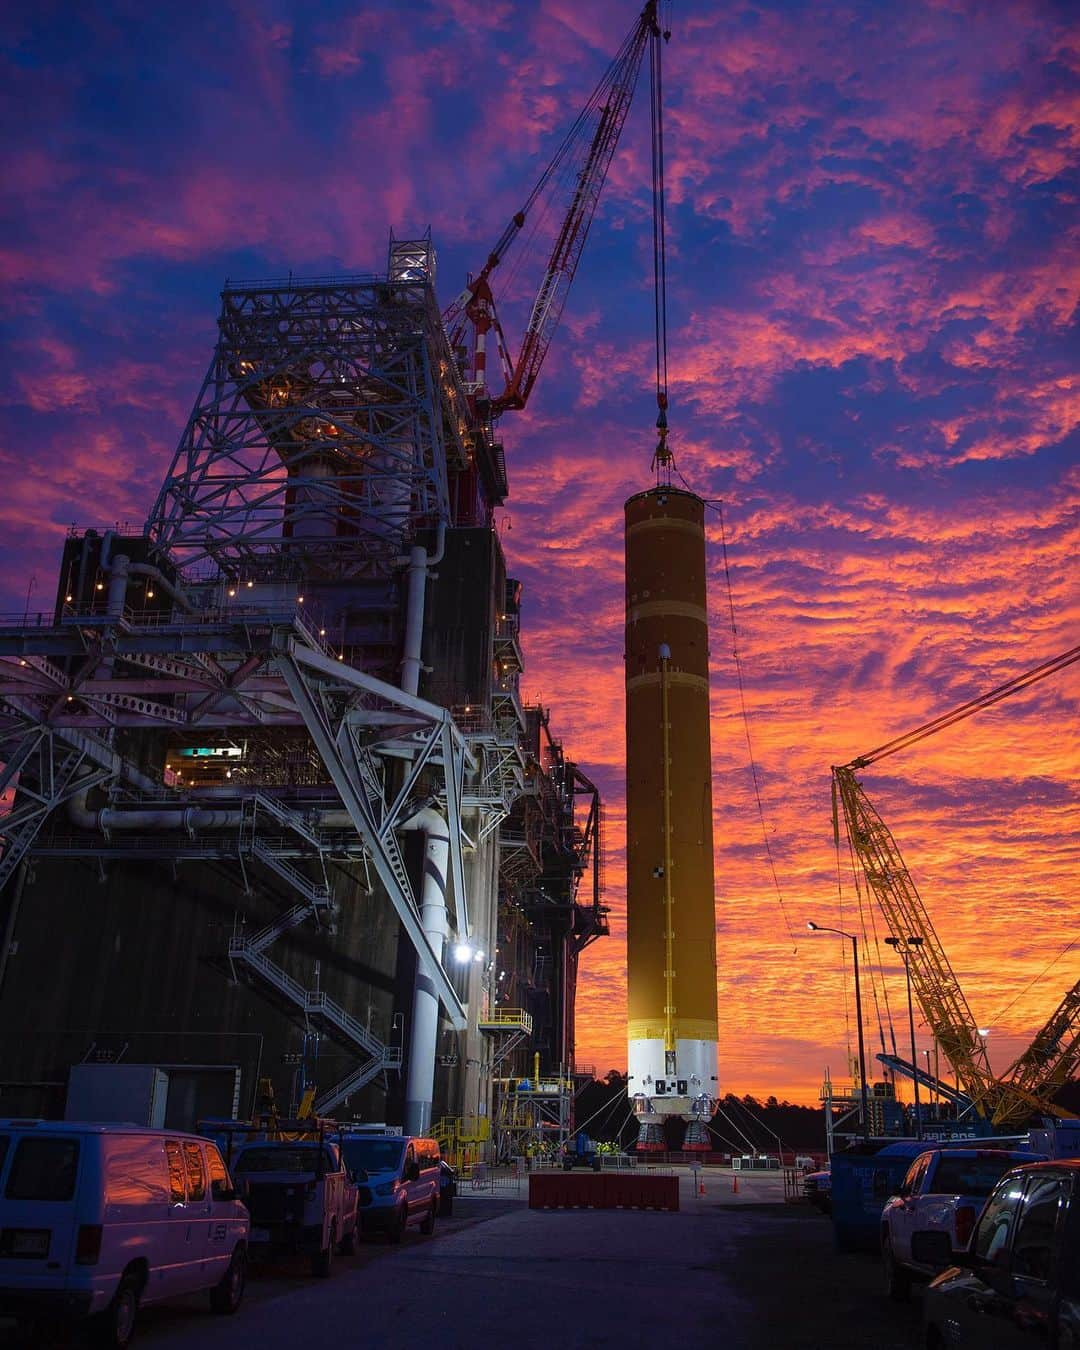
<point x="514" y="1025"/>
<point x="321" y="1013"/>
<point x="316" y="896"/>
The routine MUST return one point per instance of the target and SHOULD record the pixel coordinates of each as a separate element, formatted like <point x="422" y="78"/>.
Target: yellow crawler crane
<point x="1054" y="1054"/>
<point x="1052" y="1057"/>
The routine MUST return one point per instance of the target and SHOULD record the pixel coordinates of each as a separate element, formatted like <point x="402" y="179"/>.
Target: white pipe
<point x="415" y="586"/>
<point x="424" y="1030"/>
<point x="118" y="580"/>
<point x="416" y="575"/>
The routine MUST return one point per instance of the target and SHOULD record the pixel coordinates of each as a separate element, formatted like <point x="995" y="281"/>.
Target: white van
<point x="97" y="1219"/>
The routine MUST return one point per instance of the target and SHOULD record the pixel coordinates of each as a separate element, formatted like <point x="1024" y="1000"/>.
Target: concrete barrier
<point x="588" y="1190"/>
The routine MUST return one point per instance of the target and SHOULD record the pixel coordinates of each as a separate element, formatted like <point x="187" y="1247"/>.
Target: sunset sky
<point x="874" y="265"/>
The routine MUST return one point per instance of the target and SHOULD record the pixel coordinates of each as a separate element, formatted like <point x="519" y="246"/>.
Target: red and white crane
<point x="568" y="192"/>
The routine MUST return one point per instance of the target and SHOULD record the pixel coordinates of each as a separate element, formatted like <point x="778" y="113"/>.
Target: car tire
<point x="322" y="1263"/>
<point x="115" y="1327"/>
<point x="897" y="1279"/>
<point x="226" y="1295"/>
<point x="427" y="1227"/>
<point x="400" y="1222"/>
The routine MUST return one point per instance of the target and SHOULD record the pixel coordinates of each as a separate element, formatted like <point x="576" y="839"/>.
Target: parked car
<point x="942" y="1191"/>
<point x="1018" y="1282"/>
<point x="817" y="1188"/>
<point x="301" y="1196"/>
<point x="400" y="1182"/>
<point x="98" y="1219"/>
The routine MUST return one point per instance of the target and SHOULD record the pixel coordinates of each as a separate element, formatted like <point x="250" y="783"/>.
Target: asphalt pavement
<point x="740" y="1269"/>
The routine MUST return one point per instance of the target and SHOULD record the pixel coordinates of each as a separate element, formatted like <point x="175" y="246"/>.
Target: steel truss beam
<point x="262" y="667"/>
<point x="322" y="433"/>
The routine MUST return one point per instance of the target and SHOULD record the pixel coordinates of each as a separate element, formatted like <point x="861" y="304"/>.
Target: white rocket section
<point x="690" y="1090"/>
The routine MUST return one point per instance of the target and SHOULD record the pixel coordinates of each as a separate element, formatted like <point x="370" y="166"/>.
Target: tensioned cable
<point x="718" y="507"/>
<point x="759" y="1122"/>
<point x="732" y="1125"/>
<point x="994" y="1021"/>
<point x="722" y="1137"/>
<point x="840" y="901"/>
<point x="874" y="970"/>
<point x="656" y="102"/>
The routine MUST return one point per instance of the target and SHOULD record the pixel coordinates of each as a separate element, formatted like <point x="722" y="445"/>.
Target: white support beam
<point x="352" y="797"/>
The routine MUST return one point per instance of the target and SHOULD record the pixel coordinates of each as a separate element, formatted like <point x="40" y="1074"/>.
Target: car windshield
<point x="970" y="1176"/>
<point x="282" y="1158"/>
<point x="43" y="1169"/>
<point x="373" y="1155"/>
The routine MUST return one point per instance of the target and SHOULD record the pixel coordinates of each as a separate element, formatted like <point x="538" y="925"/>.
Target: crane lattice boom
<point x="1054" y="1055"/>
<point x="1007" y="1101"/>
<point x="936" y="986"/>
<point x="582" y="162"/>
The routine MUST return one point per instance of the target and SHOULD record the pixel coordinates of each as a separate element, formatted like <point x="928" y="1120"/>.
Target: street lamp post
<point x="903" y="946"/>
<point x="864" y="1109"/>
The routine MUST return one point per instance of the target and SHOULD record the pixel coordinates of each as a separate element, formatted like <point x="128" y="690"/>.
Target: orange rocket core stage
<point x="671" y="922"/>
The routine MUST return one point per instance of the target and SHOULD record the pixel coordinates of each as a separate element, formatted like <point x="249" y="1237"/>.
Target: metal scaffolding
<point x="324" y="430"/>
<point x="318" y="447"/>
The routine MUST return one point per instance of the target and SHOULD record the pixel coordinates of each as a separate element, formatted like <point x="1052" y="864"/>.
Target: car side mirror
<point x="412" y="1172"/>
<point x="220" y="1191"/>
<point x="935" y="1249"/>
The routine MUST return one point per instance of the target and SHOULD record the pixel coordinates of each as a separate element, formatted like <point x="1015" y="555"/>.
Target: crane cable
<point x="718" y="507"/>
<point x="662" y="459"/>
<point x="997" y="1018"/>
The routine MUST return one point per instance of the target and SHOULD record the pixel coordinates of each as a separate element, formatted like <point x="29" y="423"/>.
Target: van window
<point x="135" y="1171"/>
<point x="991" y="1239"/>
<point x="196" y="1170"/>
<point x="175" y="1159"/>
<point x="1033" y="1248"/>
<point x="219" y="1174"/>
<point x="43" y="1169"/>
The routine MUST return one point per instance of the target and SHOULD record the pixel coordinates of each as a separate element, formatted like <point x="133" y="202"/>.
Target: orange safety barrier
<point x="589" y="1190"/>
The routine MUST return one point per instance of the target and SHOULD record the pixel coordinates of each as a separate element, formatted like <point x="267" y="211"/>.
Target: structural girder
<point x="1005" y="1101"/>
<point x="323" y="431"/>
<point x="264" y="668"/>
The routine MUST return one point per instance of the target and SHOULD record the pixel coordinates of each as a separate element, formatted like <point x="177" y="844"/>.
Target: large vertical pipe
<point x="671" y="922"/>
<point x="415" y="585"/>
<point x="424" y="1029"/>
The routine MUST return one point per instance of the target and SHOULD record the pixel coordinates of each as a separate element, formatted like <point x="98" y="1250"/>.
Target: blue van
<point x="398" y="1178"/>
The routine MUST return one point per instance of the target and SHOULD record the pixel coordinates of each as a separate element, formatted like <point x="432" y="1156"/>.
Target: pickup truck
<point x="817" y="1188"/>
<point x="301" y="1197"/>
<point x="1018" y="1282"/>
<point x="943" y="1191"/>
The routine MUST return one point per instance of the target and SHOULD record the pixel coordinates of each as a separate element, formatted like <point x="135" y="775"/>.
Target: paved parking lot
<point x="735" y="1269"/>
